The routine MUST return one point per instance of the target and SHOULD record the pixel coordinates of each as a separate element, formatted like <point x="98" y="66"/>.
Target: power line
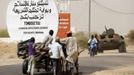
<point x="112" y="10"/>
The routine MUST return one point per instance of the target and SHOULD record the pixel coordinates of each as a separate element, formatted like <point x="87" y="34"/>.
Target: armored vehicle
<point x="109" y="40"/>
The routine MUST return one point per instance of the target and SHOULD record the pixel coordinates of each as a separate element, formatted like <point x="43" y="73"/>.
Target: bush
<point x="131" y="36"/>
<point x="82" y="40"/>
<point x="3" y="33"/>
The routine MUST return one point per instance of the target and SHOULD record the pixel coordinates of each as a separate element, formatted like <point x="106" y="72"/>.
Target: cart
<point x="69" y="66"/>
<point x="39" y="61"/>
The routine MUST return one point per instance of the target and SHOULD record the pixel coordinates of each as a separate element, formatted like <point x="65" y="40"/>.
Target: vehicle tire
<point x="25" y="66"/>
<point x="122" y="48"/>
<point x="100" y="51"/>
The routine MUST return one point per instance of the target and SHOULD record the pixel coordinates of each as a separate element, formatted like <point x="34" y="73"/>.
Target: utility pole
<point x="89" y="17"/>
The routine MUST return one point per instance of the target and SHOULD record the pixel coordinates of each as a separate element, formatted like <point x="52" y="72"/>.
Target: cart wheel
<point x="32" y="68"/>
<point x="25" y="66"/>
<point x="122" y="48"/>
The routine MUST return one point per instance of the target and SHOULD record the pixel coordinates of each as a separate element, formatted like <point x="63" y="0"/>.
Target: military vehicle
<point x="109" y="40"/>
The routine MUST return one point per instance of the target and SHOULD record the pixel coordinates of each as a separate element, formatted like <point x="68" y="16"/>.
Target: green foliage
<point x="81" y="40"/>
<point x="3" y="33"/>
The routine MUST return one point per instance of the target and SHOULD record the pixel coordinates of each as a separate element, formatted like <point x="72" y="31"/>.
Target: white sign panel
<point x="31" y="18"/>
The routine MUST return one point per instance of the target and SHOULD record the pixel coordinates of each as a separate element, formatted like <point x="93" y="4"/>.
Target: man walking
<point x="56" y="53"/>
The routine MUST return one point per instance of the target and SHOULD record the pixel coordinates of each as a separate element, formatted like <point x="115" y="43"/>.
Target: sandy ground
<point x="7" y="50"/>
<point x="8" y="56"/>
<point x="129" y="70"/>
<point x="126" y="70"/>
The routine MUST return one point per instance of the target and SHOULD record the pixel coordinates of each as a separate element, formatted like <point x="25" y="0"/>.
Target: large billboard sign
<point x="64" y="18"/>
<point x="64" y="24"/>
<point x="31" y="18"/>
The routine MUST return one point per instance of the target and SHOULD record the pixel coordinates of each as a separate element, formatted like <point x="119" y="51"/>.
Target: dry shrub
<point x="82" y="40"/>
<point x="130" y="36"/>
<point x="3" y="33"/>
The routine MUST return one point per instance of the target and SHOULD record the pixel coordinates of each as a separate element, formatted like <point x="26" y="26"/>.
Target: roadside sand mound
<point x="8" y="50"/>
<point x="8" y="54"/>
<point x="123" y="71"/>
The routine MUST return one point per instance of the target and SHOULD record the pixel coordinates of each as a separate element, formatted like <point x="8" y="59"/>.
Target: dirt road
<point x="87" y="65"/>
<point x="107" y="63"/>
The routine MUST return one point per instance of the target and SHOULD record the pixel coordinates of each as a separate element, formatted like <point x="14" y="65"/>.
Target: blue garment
<point x="92" y="43"/>
<point x="92" y="46"/>
<point x="30" y="48"/>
